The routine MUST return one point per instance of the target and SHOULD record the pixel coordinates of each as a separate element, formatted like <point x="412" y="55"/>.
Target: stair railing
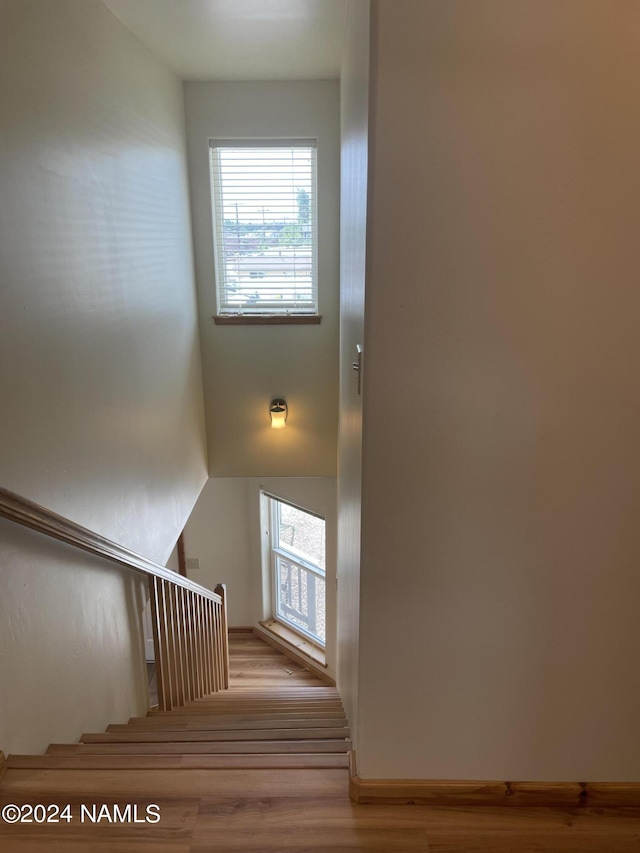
<point x="190" y="631"/>
<point x="190" y="638"/>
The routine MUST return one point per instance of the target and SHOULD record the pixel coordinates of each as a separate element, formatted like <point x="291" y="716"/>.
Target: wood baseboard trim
<point x="240" y="629"/>
<point x="3" y="765"/>
<point x="462" y="793"/>
<point x="293" y="653"/>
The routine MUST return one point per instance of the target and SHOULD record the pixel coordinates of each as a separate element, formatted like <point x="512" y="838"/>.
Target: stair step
<point x="215" y="714"/>
<point x="189" y="724"/>
<point x="265" y="737"/>
<point x="236" y="782"/>
<point x="253" y="734"/>
<point x="229" y="699"/>
<point x="279" y="691"/>
<point x="249" y="714"/>
<point x="292" y="702"/>
<point x="201" y="747"/>
<point x="264" y="696"/>
<point x="173" y="762"/>
<point x="280" y="676"/>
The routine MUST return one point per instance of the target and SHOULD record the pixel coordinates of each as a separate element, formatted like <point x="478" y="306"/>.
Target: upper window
<point x="264" y="225"/>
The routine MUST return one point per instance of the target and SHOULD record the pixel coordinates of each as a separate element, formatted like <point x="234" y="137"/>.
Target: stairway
<point x="278" y="731"/>
<point x="275" y="715"/>
<point x="259" y="769"/>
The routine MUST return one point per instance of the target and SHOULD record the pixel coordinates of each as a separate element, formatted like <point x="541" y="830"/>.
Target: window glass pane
<point x="301" y="599"/>
<point x="302" y="534"/>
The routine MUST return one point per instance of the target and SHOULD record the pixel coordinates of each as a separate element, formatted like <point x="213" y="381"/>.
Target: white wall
<point x="102" y="419"/>
<point x="501" y="545"/>
<point x="245" y="367"/>
<point x="354" y="103"/>
<point x="173" y="562"/>
<point x="217" y="534"/>
<point x="225" y="534"/>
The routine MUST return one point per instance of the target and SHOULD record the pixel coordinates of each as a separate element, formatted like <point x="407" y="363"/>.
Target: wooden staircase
<point x="276" y="715"/>
<point x="276" y="742"/>
<point x="278" y="731"/>
<point x="260" y="768"/>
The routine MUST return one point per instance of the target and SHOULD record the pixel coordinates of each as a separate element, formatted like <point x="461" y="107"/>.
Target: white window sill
<point x="267" y="319"/>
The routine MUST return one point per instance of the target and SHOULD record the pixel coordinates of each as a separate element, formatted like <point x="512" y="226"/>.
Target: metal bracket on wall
<point x="357" y="366"/>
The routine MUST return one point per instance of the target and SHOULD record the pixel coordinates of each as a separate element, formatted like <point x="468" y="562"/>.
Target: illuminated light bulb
<point x="279" y="411"/>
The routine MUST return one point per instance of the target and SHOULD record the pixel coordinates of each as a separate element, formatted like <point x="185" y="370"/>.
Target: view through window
<point x="264" y="220"/>
<point x="298" y="569"/>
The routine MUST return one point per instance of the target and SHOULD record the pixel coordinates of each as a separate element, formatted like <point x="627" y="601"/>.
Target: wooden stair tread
<point x="254" y="734"/>
<point x="237" y="687"/>
<point x="202" y="747"/>
<point x="291" y="702"/>
<point x="280" y="690"/>
<point x="234" y="782"/>
<point x="269" y="713"/>
<point x="315" y="694"/>
<point x="263" y="714"/>
<point x="319" y="689"/>
<point x="184" y="761"/>
<point x="269" y="710"/>
<point x="311" y="696"/>
<point x="264" y="704"/>
<point x="232" y="725"/>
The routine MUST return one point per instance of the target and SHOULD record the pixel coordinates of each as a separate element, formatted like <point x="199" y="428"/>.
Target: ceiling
<point x="240" y="39"/>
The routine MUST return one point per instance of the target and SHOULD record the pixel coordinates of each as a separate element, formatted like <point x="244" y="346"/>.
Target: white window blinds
<point x="264" y="225"/>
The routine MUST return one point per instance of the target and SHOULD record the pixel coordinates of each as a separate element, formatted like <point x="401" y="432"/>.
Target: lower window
<point x="297" y="557"/>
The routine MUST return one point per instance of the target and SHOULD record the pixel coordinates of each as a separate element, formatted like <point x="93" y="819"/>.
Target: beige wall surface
<point x="71" y="645"/>
<point x="354" y="93"/>
<point x="99" y="352"/>
<point x="217" y="535"/>
<point x="102" y="416"/>
<point x="245" y="367"/>
<point x="226" y="534"/>
<point x="500" y="473"/>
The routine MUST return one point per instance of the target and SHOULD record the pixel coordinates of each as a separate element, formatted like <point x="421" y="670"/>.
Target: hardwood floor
<point x="218" y="794"/>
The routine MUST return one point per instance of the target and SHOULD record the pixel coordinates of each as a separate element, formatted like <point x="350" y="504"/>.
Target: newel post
<point x="221" y="590"/>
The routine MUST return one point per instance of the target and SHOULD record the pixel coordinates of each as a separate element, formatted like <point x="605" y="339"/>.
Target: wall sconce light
<point x="278" y="411"/>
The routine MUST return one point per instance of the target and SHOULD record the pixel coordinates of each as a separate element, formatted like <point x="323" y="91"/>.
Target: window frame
<point x="261" y="312"/>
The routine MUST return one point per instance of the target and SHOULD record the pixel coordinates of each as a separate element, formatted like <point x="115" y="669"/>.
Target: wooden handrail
<point x="43" y="520"/>
<point x="190" y="632"/>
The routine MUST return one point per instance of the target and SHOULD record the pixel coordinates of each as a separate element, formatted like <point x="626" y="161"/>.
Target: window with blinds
<point x="264" y="225"/>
